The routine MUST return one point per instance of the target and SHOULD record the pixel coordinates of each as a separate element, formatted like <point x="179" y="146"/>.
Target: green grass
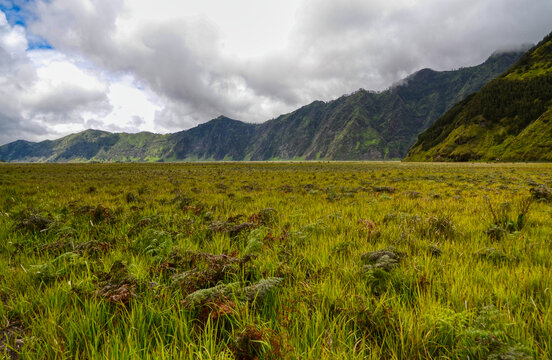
<point x="265" y="260"/>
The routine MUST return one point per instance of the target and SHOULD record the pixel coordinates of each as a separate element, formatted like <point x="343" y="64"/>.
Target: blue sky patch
<point x="36" y="42"/>
<point x="14" y="12"/>
<point x="17" y="15"/>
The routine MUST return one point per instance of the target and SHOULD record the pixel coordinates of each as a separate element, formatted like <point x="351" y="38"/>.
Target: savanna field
<point x="275" y="261"/>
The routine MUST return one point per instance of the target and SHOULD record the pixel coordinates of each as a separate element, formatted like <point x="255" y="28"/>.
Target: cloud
<point x="62" y="88"/>
<point x="45" y="93"/>
<point x="374" y="43"/>
<point x="15" y="74"/>
<point x="40" y="89"/>
<point x="179" y="59"/>
<point x="188" y="62"/>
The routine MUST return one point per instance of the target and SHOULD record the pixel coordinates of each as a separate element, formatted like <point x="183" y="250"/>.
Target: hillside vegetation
<point x="360" y="126"/>
<point x="509" y="119"/>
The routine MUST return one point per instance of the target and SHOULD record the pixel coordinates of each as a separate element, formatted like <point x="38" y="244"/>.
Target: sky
<point x="169" y="65"/>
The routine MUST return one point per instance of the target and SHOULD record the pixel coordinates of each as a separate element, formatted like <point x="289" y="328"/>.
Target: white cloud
<point x="12" y="39"/>
<point x="61" y="88"/>
<point x="133" y="108"/>
<point x="45" y="93"/>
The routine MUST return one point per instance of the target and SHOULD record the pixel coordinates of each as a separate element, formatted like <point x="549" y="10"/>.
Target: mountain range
<point x="363" y="125"/>
<point x="509" y="119"/>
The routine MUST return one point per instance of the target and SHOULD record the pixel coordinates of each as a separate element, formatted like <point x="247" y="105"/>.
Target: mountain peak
<point x="423" y="73"/>
<point x="223" y="118"/>
<point x="508" y="119"/>
<point x="512" y="50"/>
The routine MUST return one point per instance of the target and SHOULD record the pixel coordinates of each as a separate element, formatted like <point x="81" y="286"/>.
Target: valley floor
<point x="276" y="260"/>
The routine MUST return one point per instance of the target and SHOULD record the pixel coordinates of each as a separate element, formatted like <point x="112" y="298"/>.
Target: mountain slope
<point x="373" y="126"/>
<point x="509" y="119"/>
<point x="218" y="139"/>
<point x="89" y="145"/>
<point x="360" y="126"/>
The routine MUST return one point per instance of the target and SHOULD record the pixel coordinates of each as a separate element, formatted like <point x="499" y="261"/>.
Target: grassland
<point x="275" y="260"/>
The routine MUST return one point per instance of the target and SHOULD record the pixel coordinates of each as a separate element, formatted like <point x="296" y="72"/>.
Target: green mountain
<point x="509" y="119"/>
<point x="360" y="126"/>
<point x="218" y="139"/>
<point x="373" y="126"/>
<point x="90" y="145"/>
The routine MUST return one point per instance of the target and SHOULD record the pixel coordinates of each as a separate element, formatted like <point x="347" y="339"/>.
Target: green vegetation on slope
<point x="507" y="120"/>
<point x="275" y="261"/>
<point x="91" y="145"/>
<point x="360" y="126"/>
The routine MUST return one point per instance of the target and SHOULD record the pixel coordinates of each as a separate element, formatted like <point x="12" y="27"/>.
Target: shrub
<point x="130" y="197"/>
<point x="378" y="266"/>
<point x="505" y="219"/>
<point x="33" y="223"/>
<point x="541" y="192"/>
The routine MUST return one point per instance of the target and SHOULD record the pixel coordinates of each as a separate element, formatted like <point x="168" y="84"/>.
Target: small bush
<point x="208" y="270"/>
<point x="507" y="220"/>
<point x="33" y="223"/>
<point x="255" y="241"/>
<point x="266" y="217"/>
<point x="384" y="189"/>
<point x="541" y="192"/>
<point x="439" y="227"/>
<point x="254" y="293"/>
<point x="130" y="197"/>
<point x="254" y="342"/>
<point x="117" y="286"/>
<point x="378" y="266"/>
<point x="434" y="250"/>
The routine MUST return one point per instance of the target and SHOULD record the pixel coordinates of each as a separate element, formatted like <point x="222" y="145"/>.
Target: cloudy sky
<point x="168" y="65"/>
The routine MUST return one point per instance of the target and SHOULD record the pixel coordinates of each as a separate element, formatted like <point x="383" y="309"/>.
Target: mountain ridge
<point x="363" y="125"/>
<point x="509" y="119"/>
